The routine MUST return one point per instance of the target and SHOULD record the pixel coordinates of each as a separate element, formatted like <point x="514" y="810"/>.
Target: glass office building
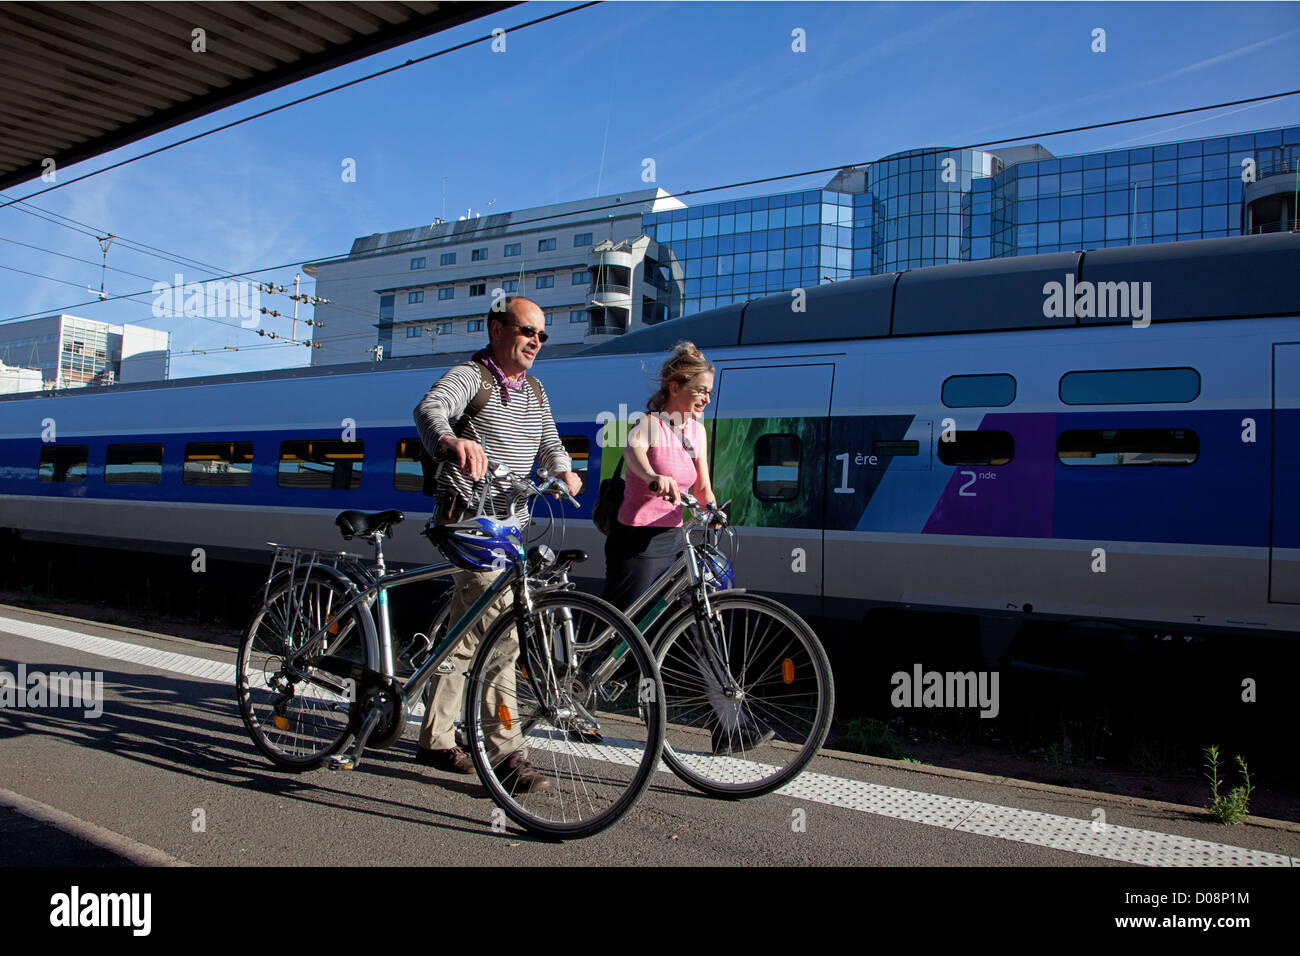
<point x="931" y="206"/>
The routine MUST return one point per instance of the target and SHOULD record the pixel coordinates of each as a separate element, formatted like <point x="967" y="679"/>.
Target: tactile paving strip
<point x="1053" y="831"/>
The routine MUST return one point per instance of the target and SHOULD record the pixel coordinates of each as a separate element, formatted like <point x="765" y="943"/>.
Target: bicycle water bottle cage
<point x="359" y="523"/>
<point x="477" y="544"/>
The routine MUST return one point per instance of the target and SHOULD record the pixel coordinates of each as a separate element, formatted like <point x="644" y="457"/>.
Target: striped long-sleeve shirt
<point x="517" y="434"/>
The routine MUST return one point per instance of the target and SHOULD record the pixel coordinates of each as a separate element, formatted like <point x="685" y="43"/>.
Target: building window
<point x="327" y="463"/>
<point x="510" y="285"/>
<point x="577" y="315"/>
<point x="449" y="258"/>
<point x="550" y="317"/>
<point x="474" y="325"/>
<point x="977" y="448"/>
<point x="417" y="263"/>
<point x="63" y="463"/>
<point x="447" y="293"/>
<point x="776" y="467"/>
<point x="972" y="391"/>
<point x="580" y="278"/>
<point x="1128" y="446"/>
<point x="218" y="464"/>
<point x="477" y="288"/>
<point x="582" y="239"/>
<point x="413" y="297"/>
<point x="133" y="465"/>
<point x="545" y="282"/>
<point x="478" y="255"/>
<point x="1134" y="386"/>
<point x="412" y="331"/>
<point x="443" y="328"/>
<point x="513" y="249"/>
<point x="545" y="245"/>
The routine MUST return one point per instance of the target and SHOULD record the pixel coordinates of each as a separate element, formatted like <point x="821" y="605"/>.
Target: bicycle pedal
<point x="335" y="762"/>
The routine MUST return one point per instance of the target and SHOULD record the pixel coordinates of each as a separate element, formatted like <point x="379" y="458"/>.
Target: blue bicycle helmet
<point x="478" y="544"/>
<point x="715" y="567"/>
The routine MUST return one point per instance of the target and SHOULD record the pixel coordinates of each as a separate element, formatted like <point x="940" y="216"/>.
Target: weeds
<point x="1231" y="807"/>
<point x="875" y="738"/>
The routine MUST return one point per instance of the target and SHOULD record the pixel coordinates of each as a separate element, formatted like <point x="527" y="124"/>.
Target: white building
<point x="70" y="351"/>
<point x="587" y="264"/>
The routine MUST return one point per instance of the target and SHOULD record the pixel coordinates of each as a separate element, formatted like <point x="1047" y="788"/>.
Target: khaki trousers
<point x="500" y="726"/>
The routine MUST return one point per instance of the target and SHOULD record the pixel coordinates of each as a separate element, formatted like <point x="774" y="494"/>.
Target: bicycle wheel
<point x="298" y="719"/>
<point x="597" y="746"/>
<point x="749" y="699"/>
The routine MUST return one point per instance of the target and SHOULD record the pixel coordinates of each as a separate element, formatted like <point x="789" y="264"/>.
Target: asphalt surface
<point x="167" y="774"/>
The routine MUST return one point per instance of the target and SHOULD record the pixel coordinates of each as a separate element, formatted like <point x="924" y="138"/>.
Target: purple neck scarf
<point x="507" y="384"/>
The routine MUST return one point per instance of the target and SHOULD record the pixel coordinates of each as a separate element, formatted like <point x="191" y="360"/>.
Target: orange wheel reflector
<point x="787" y="671"/>
<point x="503" y="714"/>
<point x="523" y="670"/>
<point x="334" y="627"/>
<point x="281" y="722"/>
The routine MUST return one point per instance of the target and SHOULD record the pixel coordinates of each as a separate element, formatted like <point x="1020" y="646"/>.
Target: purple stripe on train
<point x="1011" y="500"/>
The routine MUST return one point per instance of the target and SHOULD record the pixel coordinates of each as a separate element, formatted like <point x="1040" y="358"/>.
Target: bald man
<point x="514" y="427"/>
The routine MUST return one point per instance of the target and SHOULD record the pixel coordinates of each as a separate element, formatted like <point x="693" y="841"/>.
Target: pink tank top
<point x="643" y="508"/>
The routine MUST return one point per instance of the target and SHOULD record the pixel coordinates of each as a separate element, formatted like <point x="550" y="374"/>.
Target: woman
<point x="666" y="454"/>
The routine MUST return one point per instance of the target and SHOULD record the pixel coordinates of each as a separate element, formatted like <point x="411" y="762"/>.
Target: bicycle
<point x="747" y="685"/>
<point x="316" y="668"/>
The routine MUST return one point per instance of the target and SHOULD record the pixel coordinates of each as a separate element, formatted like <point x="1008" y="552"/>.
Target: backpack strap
<point x="484" y="395"/>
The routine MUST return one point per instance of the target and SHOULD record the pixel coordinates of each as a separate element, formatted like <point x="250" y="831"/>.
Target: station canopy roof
<point x="81" y="79"/>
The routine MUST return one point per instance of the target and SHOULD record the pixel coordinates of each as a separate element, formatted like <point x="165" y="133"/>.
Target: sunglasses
<point x="526" y="330"/>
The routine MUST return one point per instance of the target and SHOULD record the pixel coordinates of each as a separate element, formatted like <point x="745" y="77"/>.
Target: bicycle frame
<point x="375" y="593"/>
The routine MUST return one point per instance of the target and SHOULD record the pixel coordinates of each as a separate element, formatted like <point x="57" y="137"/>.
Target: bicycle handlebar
<point x="525" y="487"/>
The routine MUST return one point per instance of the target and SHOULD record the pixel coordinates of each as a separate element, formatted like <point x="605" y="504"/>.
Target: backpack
<point x="476" y="404"/>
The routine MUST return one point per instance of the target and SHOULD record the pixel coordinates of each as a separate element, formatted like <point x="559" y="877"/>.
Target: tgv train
<point x="1103" y="436"/>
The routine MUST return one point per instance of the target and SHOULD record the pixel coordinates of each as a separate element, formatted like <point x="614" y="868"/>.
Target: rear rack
<point x="293" y="559"/>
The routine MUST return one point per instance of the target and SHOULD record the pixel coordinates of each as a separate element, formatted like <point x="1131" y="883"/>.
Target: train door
<point x="1284" y="553"/>
<point x="769" y="457"/>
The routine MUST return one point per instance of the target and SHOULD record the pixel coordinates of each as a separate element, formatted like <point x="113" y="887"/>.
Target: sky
<point x="714" y="93"/>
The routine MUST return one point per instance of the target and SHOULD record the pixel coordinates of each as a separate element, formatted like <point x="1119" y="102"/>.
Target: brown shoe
<point x="454" y="760"/>
<point x="517" y="775"/>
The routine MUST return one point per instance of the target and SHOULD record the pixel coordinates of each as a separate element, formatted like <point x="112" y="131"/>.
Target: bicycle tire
<point x="592" y="783"/>
<point x="298" y="731"/>
<point x="785" y="686"/>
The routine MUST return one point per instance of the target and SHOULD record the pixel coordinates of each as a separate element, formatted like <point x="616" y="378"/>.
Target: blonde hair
<point x="685" y="362"/>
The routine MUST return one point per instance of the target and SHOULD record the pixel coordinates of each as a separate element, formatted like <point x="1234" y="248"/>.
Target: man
<point x="514" y="427"/>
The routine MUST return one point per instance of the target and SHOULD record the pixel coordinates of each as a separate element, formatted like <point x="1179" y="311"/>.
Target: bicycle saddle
<point x="352" y="523"/>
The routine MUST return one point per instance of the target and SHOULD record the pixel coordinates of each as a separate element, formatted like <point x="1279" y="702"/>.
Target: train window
<point x="408" y="473"/>
<point x="1132" y="386"/>
<point x="970" y="391"/>
<point x="579" y="449"/>
<point x="1128" y="446"/>
<point x="218" y="464"/>
<point x="909" y="446"/>
<point x="133" y="465"/>
<point x="776" y="467"/>
<point x="63" y="463"/>
<point x="324" y="463"/>
<point x="977" y="448"/>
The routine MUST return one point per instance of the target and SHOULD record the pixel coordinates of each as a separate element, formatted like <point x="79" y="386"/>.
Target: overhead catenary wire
<point x="704" y="190"/>
<point x="303" y="99"/>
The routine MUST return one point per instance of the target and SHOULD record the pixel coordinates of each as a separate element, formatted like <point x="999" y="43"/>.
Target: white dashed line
<point x="1052" y="831"/>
